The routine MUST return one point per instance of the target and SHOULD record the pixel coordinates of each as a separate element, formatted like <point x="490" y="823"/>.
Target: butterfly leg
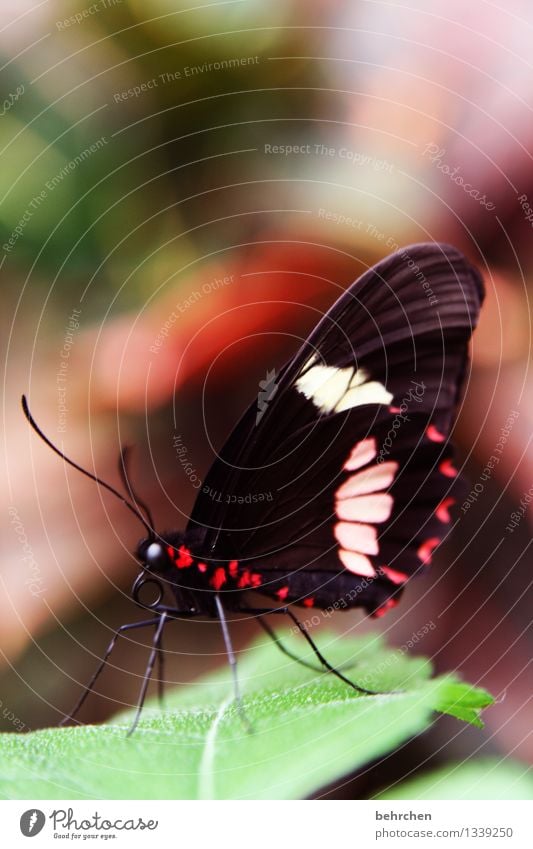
<point x="305" y="633"/>
<point x="160" y="672"/>
<point x="130" y="627"/>
<point x="156" y="647"/>
<point x="232" y="662"/>
<point x="171" y="613"/>
<point x="274" y="637"/>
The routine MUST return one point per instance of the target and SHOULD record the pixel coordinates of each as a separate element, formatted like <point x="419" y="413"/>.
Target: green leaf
<point x="485" y="778"/>
<point x="464" y="702"/>
<point x="308" y="730"/>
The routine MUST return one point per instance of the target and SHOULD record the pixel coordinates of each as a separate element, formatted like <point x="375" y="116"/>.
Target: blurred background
<point x="184" y="188"/>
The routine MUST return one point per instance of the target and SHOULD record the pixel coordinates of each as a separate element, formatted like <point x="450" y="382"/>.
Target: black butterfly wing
<point x="339" y="487"/>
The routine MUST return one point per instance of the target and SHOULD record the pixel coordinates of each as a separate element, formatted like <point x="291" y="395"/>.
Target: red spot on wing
<point x="308" y="602"/>
<point x="448" y="469"/>
<point x="219" y="578"/>
<point x="283" y="593"/>
<point x="233" y="568"/>
<point x="434" y="434"/>
<point x="442" y="512"/>
<point x="184" y="558"/>
<point x="381" y="611"/>
<point x="170" y="551"/>
<point x="426" y="549"/>
<point x="393" y="575"/>
<point x="202" y="567"/>
<point x="244" y="581"/>
<point x="256" y="580"/>
<point x="395" y="410"/>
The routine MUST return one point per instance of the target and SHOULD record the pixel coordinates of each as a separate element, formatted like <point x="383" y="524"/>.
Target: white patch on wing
<point x="365" y="508"/>
<point x="357" y="537"/>
<point x="356" y="563"/>
<point x="338" y="389"/>
<point x="361" y="392"/>
<point x="324" y="385"/>
<point x="373" y="479"/>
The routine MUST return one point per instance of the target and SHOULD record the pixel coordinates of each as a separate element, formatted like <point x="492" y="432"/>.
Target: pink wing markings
<point x="360" y="504"/>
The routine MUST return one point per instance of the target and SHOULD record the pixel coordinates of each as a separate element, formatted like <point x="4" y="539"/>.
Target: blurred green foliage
<point x="166" y="99"/>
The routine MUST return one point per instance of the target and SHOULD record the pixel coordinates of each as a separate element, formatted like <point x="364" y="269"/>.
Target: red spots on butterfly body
<point x="308" y="602"/>
<point x="184" y="558"/>
<point x="434" y="434"/>
<point x="443" y="512"/>
<point x="393" y="575"/>
<point x="249" y="579"/>
<point x="244" y="580"/>
<point x="448" y="469"/>
<point x="219" y="578"/>
<point x="395" y="410"/>
<point x="388" y="605"/>
<point x="425" y="551"/>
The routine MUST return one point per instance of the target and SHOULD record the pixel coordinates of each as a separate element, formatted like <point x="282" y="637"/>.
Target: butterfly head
<point x="153" y="556"/>
<point x="162" y="555"/>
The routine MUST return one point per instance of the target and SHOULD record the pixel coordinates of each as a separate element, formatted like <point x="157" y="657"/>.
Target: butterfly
<point x="336" y="485"/>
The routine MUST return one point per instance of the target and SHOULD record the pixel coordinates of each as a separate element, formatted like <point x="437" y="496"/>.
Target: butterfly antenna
<point x="38" y="431"/>
<point x="123" y="464"/>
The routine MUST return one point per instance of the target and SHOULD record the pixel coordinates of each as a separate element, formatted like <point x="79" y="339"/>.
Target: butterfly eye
<point x="155" y="557"/>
